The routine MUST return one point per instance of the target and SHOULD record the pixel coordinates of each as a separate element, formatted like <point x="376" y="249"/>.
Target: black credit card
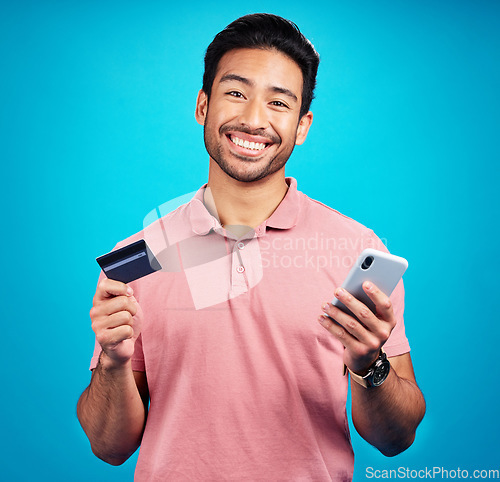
<point x="129" y="263"/>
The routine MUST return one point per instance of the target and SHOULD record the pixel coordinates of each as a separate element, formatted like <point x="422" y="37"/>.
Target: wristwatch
<point x="377" y="373"/>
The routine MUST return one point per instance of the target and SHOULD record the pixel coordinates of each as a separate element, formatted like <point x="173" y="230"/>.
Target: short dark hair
<point x="265" y="31"/>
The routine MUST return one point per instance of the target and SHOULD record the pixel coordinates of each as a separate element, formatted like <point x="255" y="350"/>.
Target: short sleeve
<point x="397" y="344"/>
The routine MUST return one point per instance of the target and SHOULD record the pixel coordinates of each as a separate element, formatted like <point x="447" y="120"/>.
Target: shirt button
<point x="240" y="245"/>
<point x="240" y="269"/>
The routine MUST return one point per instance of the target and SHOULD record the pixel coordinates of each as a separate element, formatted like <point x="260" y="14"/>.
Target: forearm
<point x="387" y="416"/>
<point x="112" y="412"/>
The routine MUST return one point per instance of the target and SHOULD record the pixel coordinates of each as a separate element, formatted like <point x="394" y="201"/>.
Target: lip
<point x="243" y="151"/>
<point x="250" y="138"/>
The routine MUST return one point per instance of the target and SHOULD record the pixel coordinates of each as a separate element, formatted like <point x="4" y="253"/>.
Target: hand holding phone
<point x="364" y="338"/>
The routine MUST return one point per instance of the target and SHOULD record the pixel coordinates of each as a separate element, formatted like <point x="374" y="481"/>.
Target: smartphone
<point x="382" y="269"/>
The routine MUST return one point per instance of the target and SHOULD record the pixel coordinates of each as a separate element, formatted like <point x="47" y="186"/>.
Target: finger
<point x="112" y="337"/>
<point x="108" y="288"/>
<point x="101" y="311"/>
<point x="360" y="310"/>
<point x="350" y="324"/>
<point x="119" y="303"/>
<point x="357" y="356"/>
<point x="378" y="326"/>
<point x="381" y="300"/>
<point x="107" y="322"/>
<point x="121" y="318"/>
<point x="339" y="332"/>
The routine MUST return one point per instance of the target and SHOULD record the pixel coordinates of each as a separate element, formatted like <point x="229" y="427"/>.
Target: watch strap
<point x="358" y="379"/>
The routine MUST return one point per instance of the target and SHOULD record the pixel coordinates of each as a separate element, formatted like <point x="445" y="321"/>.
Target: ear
<point x="201" y="107"/>
<point x="303" y="128"/>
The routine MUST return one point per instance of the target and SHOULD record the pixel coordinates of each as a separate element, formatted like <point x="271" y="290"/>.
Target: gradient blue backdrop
<point x="97" y="129"/>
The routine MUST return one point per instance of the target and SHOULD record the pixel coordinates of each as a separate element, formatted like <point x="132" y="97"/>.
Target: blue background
<point x="97" y="129"/>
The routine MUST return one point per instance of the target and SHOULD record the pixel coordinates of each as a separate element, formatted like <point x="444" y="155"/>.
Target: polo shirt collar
<point x="285" y="215"/>
<point x="202" y="222"/>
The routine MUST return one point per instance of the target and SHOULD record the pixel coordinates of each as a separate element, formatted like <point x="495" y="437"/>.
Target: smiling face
<point x="251" y="123"/>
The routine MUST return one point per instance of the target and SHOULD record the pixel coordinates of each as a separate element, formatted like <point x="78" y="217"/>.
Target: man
<point x="216" y="365"/>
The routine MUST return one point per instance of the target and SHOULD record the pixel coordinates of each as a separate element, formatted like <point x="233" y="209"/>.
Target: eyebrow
<point x="250" y="83"/>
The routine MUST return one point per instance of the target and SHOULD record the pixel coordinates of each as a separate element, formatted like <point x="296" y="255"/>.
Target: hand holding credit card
<point x="129" y="263"/>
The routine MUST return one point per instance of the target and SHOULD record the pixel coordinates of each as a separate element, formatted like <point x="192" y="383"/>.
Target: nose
<point x="254" y="115"/>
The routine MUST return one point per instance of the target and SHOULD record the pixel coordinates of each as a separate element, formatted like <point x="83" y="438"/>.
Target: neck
<point x="240" y="205"/>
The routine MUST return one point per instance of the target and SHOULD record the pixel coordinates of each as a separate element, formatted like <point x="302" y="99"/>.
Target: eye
<point x="278" y="103"/>
<point x="235" y="93"/>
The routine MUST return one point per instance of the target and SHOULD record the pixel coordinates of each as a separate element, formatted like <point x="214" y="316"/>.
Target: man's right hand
<point x="112" y="321"/>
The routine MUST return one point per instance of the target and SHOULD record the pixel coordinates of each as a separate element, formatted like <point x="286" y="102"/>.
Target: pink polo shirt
<point x="244" y="382"/>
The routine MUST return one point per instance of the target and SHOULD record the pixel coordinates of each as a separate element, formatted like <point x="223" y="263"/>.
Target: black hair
<point x="265" y="31"/>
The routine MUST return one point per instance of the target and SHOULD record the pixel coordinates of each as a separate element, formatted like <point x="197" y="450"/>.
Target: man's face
<point x="251" y="123"/>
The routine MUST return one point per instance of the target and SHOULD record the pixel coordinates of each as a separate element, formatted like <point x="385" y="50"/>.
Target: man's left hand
<point x="363" y="336"/>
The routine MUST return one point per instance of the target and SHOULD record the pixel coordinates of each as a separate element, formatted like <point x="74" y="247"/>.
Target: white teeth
<point x="256" y="146"/>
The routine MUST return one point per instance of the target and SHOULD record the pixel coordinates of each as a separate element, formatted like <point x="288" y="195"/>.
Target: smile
<point x="254" y="146"/>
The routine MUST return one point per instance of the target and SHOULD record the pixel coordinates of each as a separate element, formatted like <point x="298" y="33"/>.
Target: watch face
<point x="381" y="373"/>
